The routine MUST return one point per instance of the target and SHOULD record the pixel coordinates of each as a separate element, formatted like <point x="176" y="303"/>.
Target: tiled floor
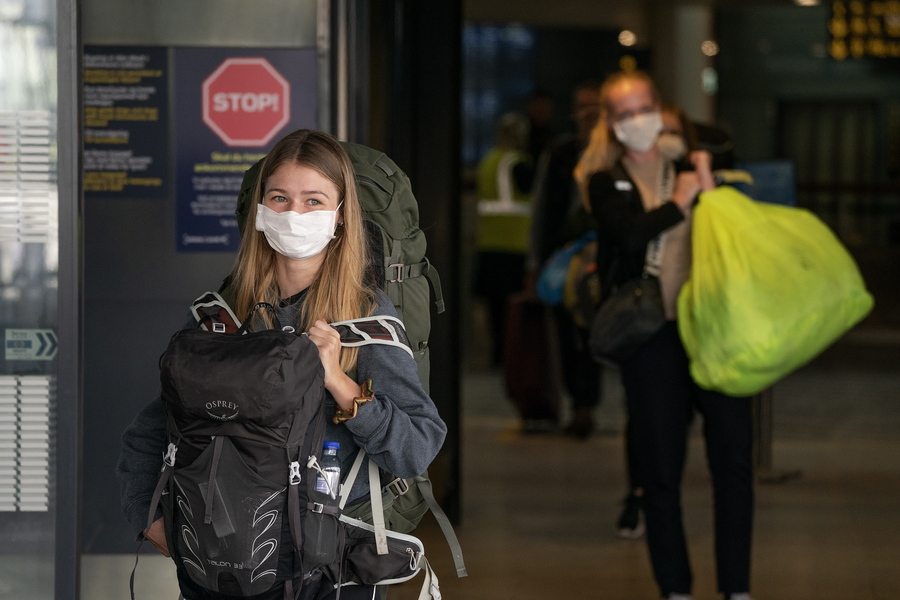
<point x="538" y="510"/>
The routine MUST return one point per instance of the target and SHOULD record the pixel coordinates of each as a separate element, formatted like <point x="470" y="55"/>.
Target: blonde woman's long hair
<point x="604" y="150"/>
<point x="339" y="291"/>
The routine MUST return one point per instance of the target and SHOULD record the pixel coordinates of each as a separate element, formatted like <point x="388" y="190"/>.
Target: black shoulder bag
<point x="633" y="313"/>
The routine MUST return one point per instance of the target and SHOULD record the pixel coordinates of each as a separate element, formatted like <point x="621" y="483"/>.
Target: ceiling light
<point x="627" y="38"/>
<point x="709" y="48"/>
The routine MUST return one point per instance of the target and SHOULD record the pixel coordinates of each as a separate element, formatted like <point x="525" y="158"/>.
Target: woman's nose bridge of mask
<point x="633" y="112"/>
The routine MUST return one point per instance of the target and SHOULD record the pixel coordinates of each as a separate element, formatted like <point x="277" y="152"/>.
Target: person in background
<point x="505" y="177"/>
<point x="539" y="111"/>
<point x="676" y="140"/>
<point x="559" y="218"/>
<point x="636" y="198"/>
<point x="678" y="137"/>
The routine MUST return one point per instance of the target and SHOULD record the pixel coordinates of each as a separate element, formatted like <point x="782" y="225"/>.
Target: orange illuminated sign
<point x="861" y="28"/>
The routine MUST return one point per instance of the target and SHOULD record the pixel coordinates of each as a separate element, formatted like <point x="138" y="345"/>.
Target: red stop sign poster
<point x="246" y="101"/>
<point x="230" y="107"/>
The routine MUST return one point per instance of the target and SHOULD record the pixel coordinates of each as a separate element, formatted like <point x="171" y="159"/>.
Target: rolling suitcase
<point x="531" y="364"/>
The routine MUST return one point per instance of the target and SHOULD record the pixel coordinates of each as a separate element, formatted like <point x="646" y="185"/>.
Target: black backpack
<point x="245" y="425"/>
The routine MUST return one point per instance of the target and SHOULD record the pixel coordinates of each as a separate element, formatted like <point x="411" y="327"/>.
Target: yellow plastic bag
<point x="770" y="288"/>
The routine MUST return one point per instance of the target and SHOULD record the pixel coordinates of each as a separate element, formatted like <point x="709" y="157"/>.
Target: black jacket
<point x="624" y="228"/>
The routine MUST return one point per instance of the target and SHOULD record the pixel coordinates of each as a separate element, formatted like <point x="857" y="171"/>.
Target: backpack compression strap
<point x="299" y="450"/>
<point x="396" y="272"/>
<point x="427" y="491"/>
<point x="444" y="522"/>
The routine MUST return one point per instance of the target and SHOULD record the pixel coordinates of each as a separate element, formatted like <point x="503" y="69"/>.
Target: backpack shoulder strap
<point x="379" y="329"/>
<point x="424" y="485"/>
<point x="377" y="508"/>
<point x="214" y="314"/>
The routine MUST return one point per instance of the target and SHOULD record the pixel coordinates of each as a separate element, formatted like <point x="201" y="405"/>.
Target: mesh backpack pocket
<point x="363" y="565"/>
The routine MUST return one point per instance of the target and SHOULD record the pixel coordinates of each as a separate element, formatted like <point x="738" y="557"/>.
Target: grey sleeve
<point x="141" y="458"/>
<point x="140" y="461"/>
<point x="401" y="428"/>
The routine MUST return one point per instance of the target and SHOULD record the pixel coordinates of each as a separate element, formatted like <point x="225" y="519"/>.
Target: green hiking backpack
<point x="391" y="217"/>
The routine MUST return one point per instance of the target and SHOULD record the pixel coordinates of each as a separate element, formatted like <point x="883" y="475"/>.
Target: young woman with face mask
<point x="630" y="185"/>
<point x="304" y="251"/>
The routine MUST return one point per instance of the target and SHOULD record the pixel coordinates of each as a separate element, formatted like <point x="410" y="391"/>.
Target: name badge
<point x="624" y="186"/>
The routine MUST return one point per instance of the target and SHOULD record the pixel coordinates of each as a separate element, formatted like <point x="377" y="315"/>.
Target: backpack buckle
<point x="294" y="476"/>
<point x="317" y="507"/>
<point x="398" y="487"/>
<point x="218" y="327"/>
<point x="169" y="456"/>
<point x="399" y="267"/>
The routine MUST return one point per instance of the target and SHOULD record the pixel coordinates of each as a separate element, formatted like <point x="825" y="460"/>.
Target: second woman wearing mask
<point x="629" y="181"/>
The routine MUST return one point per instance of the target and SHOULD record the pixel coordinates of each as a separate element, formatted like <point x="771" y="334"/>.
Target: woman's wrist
<point x="366" y="394"/>
<point x="343" y="389"/>
<point x="683" y="206"/>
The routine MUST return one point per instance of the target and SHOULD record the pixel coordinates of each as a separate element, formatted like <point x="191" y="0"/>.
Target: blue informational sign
<point x="126" y="122"/>
<point x="773" y="181"/>
<point x="231" y="106"/>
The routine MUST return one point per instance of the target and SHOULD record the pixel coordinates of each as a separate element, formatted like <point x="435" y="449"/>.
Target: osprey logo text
<point x="222" y="410"/>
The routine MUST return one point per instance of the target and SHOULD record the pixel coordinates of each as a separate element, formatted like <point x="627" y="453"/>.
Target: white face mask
<point x="671" y="146"/>
<point x="639" y="133"/>
<point x="295" y="235"/>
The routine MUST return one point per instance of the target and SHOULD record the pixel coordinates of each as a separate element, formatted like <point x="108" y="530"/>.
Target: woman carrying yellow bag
<point x="621" y="174"/>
